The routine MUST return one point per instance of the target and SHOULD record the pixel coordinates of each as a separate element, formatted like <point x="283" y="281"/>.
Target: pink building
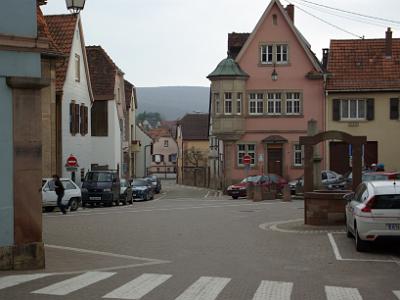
<point x="264" y="94"/>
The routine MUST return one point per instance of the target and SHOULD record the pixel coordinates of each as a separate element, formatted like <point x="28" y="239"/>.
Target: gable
<point x="283" y="31"/>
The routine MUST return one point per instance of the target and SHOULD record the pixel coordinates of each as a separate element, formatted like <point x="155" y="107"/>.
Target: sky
<point x="179" y="42"/>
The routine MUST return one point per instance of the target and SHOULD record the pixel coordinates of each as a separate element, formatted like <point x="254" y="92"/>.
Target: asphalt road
<point x="196" y="244"/>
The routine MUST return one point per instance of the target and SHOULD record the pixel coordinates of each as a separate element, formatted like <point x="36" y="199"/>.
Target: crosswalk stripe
<point x="273" y="290"/>
<point x="138" y="287"/>
<point x="13" y="280"/>
<point x="73" y="284"/>
<point x="397" y="294"/>
<point x="341" y="293"/>
<point x="205" y="288"/>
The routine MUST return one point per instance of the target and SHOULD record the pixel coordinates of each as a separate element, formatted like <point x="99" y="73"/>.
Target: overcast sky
<point x="179" y="42"/>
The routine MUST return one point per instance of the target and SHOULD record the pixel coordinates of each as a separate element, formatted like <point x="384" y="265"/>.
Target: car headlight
<point x="107" y="190"/>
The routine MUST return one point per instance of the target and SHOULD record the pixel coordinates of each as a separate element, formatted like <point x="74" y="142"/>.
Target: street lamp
<point x="274" y="75"/>
<point x="75" y="6"/>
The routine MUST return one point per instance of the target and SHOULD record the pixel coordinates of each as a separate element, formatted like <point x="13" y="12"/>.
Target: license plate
<point x="94" y="198"/>
<point x="393" y="226"/>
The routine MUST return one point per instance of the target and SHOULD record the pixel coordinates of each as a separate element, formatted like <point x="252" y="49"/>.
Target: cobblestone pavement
<point x="197" y="244"/>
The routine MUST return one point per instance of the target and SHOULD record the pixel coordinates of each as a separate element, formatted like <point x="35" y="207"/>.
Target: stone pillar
<point x="357" y="165"/>
<point x="28" y="248"/>
<point x="311" y="131"/>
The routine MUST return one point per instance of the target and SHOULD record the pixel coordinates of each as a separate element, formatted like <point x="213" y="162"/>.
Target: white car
<point x="72" y="194"/>
<point x="373" y="211"/>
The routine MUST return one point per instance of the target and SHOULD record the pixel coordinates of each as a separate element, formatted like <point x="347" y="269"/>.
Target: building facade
<point x="363" y="92"/>
<point x="263" y="95"/>
<point x="144" y="153"/>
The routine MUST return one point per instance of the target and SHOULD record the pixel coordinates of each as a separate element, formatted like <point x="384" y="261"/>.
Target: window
<point x="256" y="104"/>
<point x="293" y="103"/>
<point x="353" y="109"/>
<point x="228" y="103"/>
<point x="243" y="149"/>
<point x="394" y="108"/>
<point x="74" y="118"/>
<point x="99" y="118"/>
<point x="77" y="68"/>
<point x="274" y="53"/>
<point x="68" y="185"/>
<point x="217" y="104"/>
<point x="166" y="143"/>
<point x="239" y="103"/>
<point x="83" y="128"/>
<point x="281" y="54"/>
<point x="274" y="103"/>
<point x="266" y="54"/>
<point x="297" y="155"/>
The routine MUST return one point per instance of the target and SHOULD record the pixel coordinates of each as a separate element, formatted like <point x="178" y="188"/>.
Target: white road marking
<point x="13" y="280"/>
<point x="397" y="294"/>
<point x="205" y="288"/>
<point x="341" y="293"/>
<point x="73" y="284"/>
<point x="157" y="209"/>
<point x="273" y="290"/>
<point x="339" y="257"/>
<point x="334" y="247"/>
<point x="138" y="287"/>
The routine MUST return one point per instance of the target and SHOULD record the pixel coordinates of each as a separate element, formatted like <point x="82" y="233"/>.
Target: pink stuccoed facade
<point x="268" y="114"/>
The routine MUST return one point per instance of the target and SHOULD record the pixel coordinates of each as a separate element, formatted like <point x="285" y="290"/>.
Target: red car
<point x="239" y="189"/>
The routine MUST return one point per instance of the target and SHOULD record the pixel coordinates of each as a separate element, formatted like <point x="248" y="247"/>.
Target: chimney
<point x="388" y="43"/>
<point x="290" y="11"/>
<point x="325" y="55"/>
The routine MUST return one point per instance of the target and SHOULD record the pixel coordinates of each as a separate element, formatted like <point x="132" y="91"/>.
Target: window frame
<point x="245" y="151"/>
<point x="292" y="101"/>
<point x="264" y="51"/>
<point x="282" y="53"/>
<point x="258" y="100"/>
<point x="217" y="101"/>
<point x="274" y="101"/>
<point x="349" y="110"/>
<point x="166" y="143"/>
<point x="239" y="109"/>
<point x="298" y="149"/>
<point x="228" y="101"/>
<point x="77" y="61"/>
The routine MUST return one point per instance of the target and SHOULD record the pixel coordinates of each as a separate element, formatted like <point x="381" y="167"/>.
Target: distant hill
<point x="173" y="102"/>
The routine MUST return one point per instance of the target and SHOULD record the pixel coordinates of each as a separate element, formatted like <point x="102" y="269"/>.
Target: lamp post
<point x="75" y="6"/>
<point x="274" y="75"/>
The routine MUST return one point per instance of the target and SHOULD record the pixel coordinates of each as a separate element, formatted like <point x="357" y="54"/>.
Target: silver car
<point x="373" y="211"/>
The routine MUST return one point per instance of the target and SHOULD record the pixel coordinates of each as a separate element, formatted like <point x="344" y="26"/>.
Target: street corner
<point x="68" y="260"/>
<point x="297" y="226"/>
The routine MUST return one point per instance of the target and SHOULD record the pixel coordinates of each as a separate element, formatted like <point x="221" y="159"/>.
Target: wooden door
<point x="274" y="157"/>
<point x="339" y="160"/>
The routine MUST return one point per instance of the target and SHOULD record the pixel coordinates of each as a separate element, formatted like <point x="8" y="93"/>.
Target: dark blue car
<point x="142" y="190"/>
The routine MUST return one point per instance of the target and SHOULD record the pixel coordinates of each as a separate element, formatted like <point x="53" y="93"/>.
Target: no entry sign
<point x="72" y="162"/>
<point x="247" y="159"/>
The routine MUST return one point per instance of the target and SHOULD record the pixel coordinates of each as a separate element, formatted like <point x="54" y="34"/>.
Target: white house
<point x="144" y="156"/>
<point x="74" y="95"/>
<point x="108" y="125"/>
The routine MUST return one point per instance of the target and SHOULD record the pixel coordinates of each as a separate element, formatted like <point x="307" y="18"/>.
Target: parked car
<point x="329" y="180"/>
<point x="239" y="189"/>
<point x="142" y="190"/>
<point x="101" y="187"/>
<point x="125" y="194"/>
<point x="366" y="176"/>
<point x="373" y="212"/>
<point x="72" y="194"/>
<point x="156" y="183"/>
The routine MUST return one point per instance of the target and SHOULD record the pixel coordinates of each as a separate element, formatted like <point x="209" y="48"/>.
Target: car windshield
<point x="253" y="178"/>
<point x="99" y="176"/>
<point x="139" y="183"/>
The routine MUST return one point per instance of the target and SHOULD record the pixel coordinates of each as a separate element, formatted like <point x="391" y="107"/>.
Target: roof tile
<point x="194" y="126"/>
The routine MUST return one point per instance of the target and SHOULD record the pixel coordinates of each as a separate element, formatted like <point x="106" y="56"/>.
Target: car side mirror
<point x="349" y="197"/>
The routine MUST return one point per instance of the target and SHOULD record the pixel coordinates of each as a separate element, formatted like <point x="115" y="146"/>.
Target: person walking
<point x="59" y="188"/>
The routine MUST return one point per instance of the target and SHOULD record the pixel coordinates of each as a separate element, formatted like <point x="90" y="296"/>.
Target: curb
<point x="274" y="226"/>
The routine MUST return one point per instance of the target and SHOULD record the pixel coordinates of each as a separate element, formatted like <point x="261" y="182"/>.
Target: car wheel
<point x="361" y="246"/>
<point x="49" y="208"/>
<point x="73" y="204"/>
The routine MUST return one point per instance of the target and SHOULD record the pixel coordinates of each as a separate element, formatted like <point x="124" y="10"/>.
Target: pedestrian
<point x="59" y="188"/>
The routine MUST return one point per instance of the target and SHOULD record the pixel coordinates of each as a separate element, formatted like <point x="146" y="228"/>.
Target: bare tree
<point x="194" y="157"/>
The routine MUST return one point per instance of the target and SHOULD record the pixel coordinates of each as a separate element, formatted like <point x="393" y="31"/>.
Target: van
<point x="101" y="187"/>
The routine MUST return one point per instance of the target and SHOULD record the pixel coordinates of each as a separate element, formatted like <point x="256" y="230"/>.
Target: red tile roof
<point x="159" y="132"/>
<point x="62" y="29"/>
<point x="194" y="126"/>
<point x="362" y="64"/>
<point x="44" y="32"/>
<point x="236" y="41"/>
<point x="102" y="73"/>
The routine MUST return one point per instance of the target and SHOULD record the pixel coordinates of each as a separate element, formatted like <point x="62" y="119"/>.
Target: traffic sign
<point x="247" y="159"/>
<point x="72" y="162"/>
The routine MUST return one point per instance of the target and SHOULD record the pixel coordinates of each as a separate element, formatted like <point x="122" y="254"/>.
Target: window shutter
<point x="71" y="118"/>
<point x="82" y="120"/>
<point x="370" y="109"/>
<point x="86" y="113"/>
<point x="336" y="110"/>
<point x="76" y="118"/>
<point x="394" y="108"/>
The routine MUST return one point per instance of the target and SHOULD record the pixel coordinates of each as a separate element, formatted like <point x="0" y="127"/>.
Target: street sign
<point x="72" y="162"/>
<point x="247" y="159"/>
